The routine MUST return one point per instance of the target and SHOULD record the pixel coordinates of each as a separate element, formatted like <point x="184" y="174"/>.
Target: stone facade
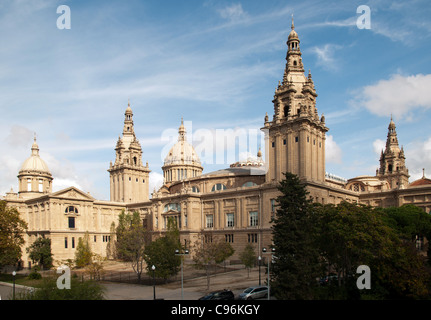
<point x="235" y="204"/>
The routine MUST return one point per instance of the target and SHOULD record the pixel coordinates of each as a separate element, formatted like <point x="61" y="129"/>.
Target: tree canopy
<point x="12" y="229"/>
<point x="313" y="241"/>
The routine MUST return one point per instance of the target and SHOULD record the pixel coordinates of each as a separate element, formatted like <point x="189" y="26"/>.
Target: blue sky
<point x="215" y="63"/>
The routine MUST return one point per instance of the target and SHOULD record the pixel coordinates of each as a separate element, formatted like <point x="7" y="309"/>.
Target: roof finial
<point x="423" y="173"/>
<point x="293" y="26"/>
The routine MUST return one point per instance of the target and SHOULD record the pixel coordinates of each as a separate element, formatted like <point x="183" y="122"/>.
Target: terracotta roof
<point x="420" y="182"/>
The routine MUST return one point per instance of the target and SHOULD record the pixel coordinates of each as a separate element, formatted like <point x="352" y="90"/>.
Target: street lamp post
<point x="260" y="260"/>
<point x="13" y="274"/>
<point x="177" y="253"/>
<point x="272" y="252"/>
<point x="154" y="282"/>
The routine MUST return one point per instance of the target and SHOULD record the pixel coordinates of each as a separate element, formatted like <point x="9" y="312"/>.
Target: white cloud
<point x="325" y="56"/>
<point x="418" y="157"/>
<point x="233" y="12"/>
<point x="333" y="153"/>
<point x="378" y="146"/>
<point x="398" y="96"/>
<point x="156" y="181"/>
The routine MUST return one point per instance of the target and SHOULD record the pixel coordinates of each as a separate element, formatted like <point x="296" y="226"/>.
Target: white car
<point x="254" y="293"/>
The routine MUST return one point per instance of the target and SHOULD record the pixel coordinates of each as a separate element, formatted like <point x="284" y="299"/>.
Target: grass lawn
<point x="20" y="279"/>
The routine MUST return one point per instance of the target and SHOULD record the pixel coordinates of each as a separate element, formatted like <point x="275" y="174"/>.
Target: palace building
<point x="234" y="204"/>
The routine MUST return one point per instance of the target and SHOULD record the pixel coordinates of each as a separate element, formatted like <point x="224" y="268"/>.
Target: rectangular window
<point x="230" y="220"/>
<point x="253" y="219"/>
<point x="94" y="238"/>
<point x="252" y="237"/>
<point x="28" y="184"/>
<point x="71" y="222"/>
<point x="208" y="238"/>
<point x="272" y="205"/>
<point x="229" y="238"/>
<point x="273" y="144"/>
<point x="296" y="139"/>
<point x="73" y="242"/>
<point x="65" y="242"/>
<point x="40" y="186"/>
<point x="284" y="141"/>
<point x="210" y="221"/>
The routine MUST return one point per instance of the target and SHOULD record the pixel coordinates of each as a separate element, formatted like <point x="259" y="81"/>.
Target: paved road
<point x="6" y="290"/>
<point x="236" y="281"/>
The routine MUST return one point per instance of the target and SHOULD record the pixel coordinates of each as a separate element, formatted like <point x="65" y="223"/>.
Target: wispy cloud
<point x="326" y="56"/>
<point x="399" y="95"/>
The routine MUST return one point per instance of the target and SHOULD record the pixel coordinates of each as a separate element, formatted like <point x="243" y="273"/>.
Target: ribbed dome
<point x="182" y="152"/>
<point x="34" y="163"/>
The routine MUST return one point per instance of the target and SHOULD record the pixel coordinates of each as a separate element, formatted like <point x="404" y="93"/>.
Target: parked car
<point x="331" y="278"/>
<point x="219" y="295"/>
<point x="254" y="293"/>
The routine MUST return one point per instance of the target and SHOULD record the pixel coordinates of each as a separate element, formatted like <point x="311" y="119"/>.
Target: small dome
<point x="34" y="163"/>
<point x="293" y="35"/>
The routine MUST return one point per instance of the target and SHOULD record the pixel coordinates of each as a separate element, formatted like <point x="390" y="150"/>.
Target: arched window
<point x="249" y="184"/>
<point x="195" y="189"/>
<point x="218" y="187"/>
<point x="172" y="207"/>
<point x="71" y="210"/>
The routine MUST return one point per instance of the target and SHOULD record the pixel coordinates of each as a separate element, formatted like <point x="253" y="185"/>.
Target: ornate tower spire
<point x="129" y="176"/>
<point x="392" y="160"/>
<point x="296" y="133"/>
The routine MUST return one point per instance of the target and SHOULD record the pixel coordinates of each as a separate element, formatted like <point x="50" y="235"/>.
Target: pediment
<point x="72" y="193"/>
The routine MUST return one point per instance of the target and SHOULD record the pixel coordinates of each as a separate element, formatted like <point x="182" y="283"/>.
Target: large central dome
<point x="182" y="152"/>
<point x="182" y="161"/>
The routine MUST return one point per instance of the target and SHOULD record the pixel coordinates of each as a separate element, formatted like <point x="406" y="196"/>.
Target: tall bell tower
<point x="296" y="133"/>
<point x="129" y="178"/>
<point x="393" y="161"/>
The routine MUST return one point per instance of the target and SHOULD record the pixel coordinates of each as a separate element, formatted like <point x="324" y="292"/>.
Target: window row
<point x="221" y="186"/>
<point x="39" y="186"/>
<point x="251" y="238"/>
<point x="180" y="174"/>
<point x="297" y="140"/>
<point x="105" y="238"/>
<point x="253" y="220"/>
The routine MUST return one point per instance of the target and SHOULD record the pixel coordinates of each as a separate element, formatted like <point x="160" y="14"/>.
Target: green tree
<point x="248" y="257"/>
<point x="79" y="290"/>
<point x="12" y="229"/>
<point x="40" y="252"/>
<point x="209" y="253"/>
<point x="411" y="222"/>
<point x="83" y="254"/>
<point x="351" y="235"/>
<point x="131" y="240"/>
<point x="297" y="257"/>
<point x="161" y="253"/>
<point x="111" y="246"/>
